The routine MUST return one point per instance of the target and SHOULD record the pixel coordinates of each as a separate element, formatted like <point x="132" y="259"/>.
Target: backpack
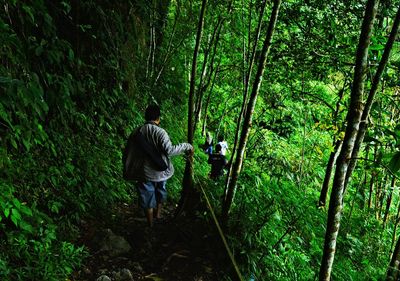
<point x="133" y="159"/>
<point x="136" y="150"/>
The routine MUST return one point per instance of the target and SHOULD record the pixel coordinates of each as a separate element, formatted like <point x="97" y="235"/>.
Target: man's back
<point x="218" y="163"/>
<point x="159" y="138"/>
<point x="224" y="146"/>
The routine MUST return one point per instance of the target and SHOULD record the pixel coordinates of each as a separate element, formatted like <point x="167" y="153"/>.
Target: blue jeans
<point x="151" y="193"/>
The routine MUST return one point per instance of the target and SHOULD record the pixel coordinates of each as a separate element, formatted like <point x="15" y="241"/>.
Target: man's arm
<point x="171" y="149"/>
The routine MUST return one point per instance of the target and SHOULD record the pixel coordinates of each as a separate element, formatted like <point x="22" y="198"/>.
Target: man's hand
<point x="190" y="152"/>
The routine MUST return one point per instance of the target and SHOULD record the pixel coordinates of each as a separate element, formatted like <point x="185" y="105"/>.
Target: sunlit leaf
<point x="376" y="47"/>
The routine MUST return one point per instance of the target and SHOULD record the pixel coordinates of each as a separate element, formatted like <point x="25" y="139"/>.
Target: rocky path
<point x="122" y="248"/>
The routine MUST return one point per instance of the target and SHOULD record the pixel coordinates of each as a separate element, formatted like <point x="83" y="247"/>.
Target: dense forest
<point x="306" y="94"/>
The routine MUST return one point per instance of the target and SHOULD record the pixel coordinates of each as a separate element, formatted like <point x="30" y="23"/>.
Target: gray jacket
<point x="159" y="138"/>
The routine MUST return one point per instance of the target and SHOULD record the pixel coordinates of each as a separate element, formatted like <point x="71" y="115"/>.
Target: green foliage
<point x="76" y="76"/>
<point x="63" y="122"/>
<point x="394" y="164"/>
<point x="40" y="257"/>
<point x="30" y="248"/>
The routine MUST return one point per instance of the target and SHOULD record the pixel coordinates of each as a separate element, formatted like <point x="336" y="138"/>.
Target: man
<point x="223" y="144"/>
<point x="218" y="163"/>
<point x="208" y="145"/>
<point x="152" y="190"/>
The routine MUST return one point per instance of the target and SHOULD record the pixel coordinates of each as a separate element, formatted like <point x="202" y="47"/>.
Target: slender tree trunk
<point x="214" y="42"/>
<point x="340" y="95"/>
<point x="378" y="189"/>
<point x="203" y="130"/>
<point x="393" y="270"/>
<point x="149" y="56"/>
<point x="204" y="72"/>
<point x="162" y="8"/>
<point x="221" y="118"/>
<point x="371" y="95"/>
<point x="354" y="200"/>
<point x="188" y="175"/>
<point x="382" y="195"/>
<point x="364" y="186"/>
<point x="389" y="200"/>
<point x="396" y="223"/>
<point x="246" y="89"/>
<point x="249" y="113"/>
<point x="372" y="179"/>
<point x="371" y="190"/>
<point x="154" y="39"/>
<point x="193" y="72"/>
<point x="201" y="89"/>
<point x="353" y="121"/>
<point x="169" y="46"/>
<point x="334" y="153"/>
<point x="328" y="173"/>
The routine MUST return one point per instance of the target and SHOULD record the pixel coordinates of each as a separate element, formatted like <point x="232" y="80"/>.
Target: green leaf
<point x="25" y="226"/>
<point x="376" y="47"/>
<point x="14" y="143"/>
<point x="16" y="203"/>
<point x="4" y="115"/>
<point x="15" y="216"/>
<point x="6" y="212"/>
<point x="55" y="207"/>
<point x="39" y="50"/>
<point x="5" y="80"/>
<point x="26" y="210"/>
<point x="26" y="143"/>
<point x="66" y="6"/>
<point x="28" y="10"/>
<point x="71" y="55"/>
<point x="394" y="164"/>
<point x="69" y="167"/>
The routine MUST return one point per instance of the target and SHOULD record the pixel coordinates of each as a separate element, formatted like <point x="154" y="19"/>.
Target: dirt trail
<point x="180" y="249"/>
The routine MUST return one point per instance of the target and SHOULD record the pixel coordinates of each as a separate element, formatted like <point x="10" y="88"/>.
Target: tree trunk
<point x="393" y="270"/>
<point x="382" y="195"/>
<point x="333" y="155"/>
<point x="214" y="41"/>
<point x="149" y="64"/>
<point x="371" y="190"/>
<point x="246" y="90"/>
<point x="162" y="7"/>
<point x="354" y="200"/>
<point x="249" y="113"/>
<point x="328" y="173"/>
<point x="221" y="118"/>
<point x="396" y="223"/>
<point x="200" y="27"/>
<point x="169" y="51"/>
<point x="200" y="91"/>
<point x="364" y="185"/>
<point x="353" y="121"/>
<point x="372" y="180"/>
<point x="202" y="85"/>
<point x="203" y="130"/>
<point x="371" y="95"/>
<point x="187" y="182"/>
<point x="389" y="200"/>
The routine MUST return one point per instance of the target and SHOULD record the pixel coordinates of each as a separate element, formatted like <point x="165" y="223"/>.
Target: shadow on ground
<point x="174" y="249"/>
